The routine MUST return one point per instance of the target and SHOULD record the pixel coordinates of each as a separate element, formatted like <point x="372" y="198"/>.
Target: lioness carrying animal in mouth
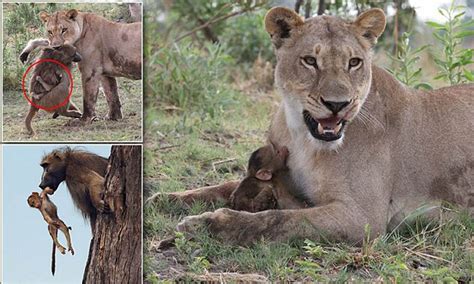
<point x="364" y="148"/>
<point x="108" y="50"/>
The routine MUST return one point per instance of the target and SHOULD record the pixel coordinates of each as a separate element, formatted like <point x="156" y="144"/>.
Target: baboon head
<point x="65" y="53"/>
<point x="54" y="169"/>
<point x="266" y="160"/>
<point x="34" y="200"/>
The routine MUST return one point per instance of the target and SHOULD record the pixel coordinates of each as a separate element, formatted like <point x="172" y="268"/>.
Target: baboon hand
<point x="71" y="250"/>
<point x="24" y="57"/>
<point x="103" y="207"/>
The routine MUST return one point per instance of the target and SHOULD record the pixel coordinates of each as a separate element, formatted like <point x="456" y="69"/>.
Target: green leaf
<point x="436" y="25"/>
<point x="463" y="34"/>
<point x="468" y="75"/>
<point x="467" y="24"/>
<point x="425" y="86"/>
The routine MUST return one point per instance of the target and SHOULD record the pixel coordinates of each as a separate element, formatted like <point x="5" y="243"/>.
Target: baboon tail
<point x="53" y="260"/>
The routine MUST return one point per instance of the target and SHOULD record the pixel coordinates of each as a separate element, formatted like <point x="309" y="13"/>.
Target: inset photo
<point x="72" y="72"/>
<point x="74" y="213"/>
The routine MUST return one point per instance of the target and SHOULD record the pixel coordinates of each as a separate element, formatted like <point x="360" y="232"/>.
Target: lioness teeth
<point x="338" y="127"/>
<point x="320" y="128"/>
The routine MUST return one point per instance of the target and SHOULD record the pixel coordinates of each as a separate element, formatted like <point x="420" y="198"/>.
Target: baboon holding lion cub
<point x="49" y="84"/>
<point x="50" y="214"/>
<point x="83" y="173"/>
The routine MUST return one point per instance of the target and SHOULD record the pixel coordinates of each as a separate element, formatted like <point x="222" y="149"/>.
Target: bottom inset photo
<point x="74" y="213"/>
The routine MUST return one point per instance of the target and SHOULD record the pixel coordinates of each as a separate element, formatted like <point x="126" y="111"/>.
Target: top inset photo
<point x="72" y="72"/>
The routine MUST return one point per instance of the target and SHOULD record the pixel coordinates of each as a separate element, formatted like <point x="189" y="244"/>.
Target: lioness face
<point x="323" y="69"/>
<point x="61" y="27"/>
<point x="54" y="170"/>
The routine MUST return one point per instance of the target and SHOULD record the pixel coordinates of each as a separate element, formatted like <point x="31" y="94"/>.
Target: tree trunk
<point x="116" y="249"/>
<point x="298" y="5"/>
<point x="321" y="7"/>
<point x="307" y="9"/>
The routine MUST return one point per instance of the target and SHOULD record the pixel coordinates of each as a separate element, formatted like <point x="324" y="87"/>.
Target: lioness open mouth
<point x="326" y="129"/>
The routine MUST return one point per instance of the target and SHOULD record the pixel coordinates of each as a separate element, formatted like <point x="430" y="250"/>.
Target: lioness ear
<point x="371" y="24"/>
<point x="72" y="14"/>
<point x="279" y="22"/>
<point x="44" y="16"/>
<point x="264" y="174"/>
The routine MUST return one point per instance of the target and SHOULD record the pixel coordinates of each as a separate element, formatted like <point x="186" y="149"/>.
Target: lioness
<point x="365" y="149"/>
<point x="108" y="49"/>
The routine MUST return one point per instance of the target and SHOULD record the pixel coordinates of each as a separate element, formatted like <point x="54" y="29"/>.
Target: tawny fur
<point x="109" y="50"/>
<point x="402" y="148"/>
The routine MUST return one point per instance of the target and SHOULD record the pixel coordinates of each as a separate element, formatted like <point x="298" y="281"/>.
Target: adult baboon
<point x="49" y="84"/>
<point x="83" y="173"/>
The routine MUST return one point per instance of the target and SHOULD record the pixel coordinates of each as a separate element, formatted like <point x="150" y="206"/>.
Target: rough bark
<point x="322" y="7"/>
<point x="116" y="252"/>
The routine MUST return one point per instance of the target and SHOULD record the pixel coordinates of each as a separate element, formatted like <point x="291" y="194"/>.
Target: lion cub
<point x="50" y="214"/>
<point x="265" y="171"/>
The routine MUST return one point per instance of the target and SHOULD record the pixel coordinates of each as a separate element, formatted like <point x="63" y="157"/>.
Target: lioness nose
<point x="335" y="107"/>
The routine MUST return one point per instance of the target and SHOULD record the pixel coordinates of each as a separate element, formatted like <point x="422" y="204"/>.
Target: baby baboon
<point x="49" y="84"/>
<point x="84" y="174"/>
<point x="267" y="182"/>
<point x="50" y="214"/>
<point x="255" y="192"/>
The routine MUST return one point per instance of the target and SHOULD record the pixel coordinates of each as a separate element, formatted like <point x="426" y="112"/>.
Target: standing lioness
<point x="364" y="148"/>
<point x="108" y="50"/>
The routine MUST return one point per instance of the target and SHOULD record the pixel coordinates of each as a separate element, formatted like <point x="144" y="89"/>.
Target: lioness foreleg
<point x="243" y="228"/>
<point x="90" y="86"/>
<point x="111" y="95"/>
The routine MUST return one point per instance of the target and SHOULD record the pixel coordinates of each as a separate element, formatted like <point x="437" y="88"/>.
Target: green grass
<point x="179" y="154"/>
<point x="21" y="23"/>
<point x="15" y="108"/>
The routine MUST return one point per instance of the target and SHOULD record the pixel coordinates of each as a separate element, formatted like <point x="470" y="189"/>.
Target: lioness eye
<point x="64" y="30"/>
<point x="354" y="62"/>
<point x="50" y="32"/>
<point x="310" y="60"/>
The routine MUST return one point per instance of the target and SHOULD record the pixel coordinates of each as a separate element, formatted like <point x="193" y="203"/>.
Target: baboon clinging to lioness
<point x="83" y="173"/>
<point x="50" y="214"/>
<point x="49" y="84"/>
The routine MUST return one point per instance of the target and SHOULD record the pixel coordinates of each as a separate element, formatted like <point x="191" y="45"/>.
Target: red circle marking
<point x="68" y="98"/>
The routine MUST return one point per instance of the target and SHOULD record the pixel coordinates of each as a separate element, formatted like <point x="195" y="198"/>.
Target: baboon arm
<point x="331" y="220"/>
<point x="45" y="85"/>
<point x="32" y="45"/>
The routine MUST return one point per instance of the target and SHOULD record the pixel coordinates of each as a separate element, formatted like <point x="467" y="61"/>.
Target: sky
<point x="427" y="10"/>
<point x="26" y="242"/>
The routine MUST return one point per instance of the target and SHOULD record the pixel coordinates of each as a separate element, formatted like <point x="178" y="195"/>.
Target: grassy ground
<point x="16" y="107"/>
<point x="184" y="152"/>
<point x="21" y="24"/>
